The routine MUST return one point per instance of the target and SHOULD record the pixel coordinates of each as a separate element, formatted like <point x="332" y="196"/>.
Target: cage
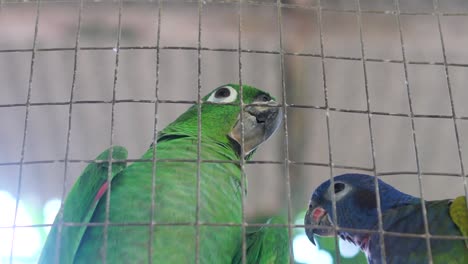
<point x="373" y="86"/>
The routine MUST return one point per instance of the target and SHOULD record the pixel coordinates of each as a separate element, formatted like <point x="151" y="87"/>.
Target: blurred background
<point x="279" y="44"/>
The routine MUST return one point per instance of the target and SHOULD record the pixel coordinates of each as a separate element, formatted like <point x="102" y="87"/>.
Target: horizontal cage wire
<point x="374" y="87"/>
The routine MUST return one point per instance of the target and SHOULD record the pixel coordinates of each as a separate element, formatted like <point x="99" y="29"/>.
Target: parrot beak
<point x="260" y="122"/>
<point x="317" y="216"/>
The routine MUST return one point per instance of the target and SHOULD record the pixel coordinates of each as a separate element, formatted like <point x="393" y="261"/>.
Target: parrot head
<point x="223" y="121"/>
<point x="356" y="207"/>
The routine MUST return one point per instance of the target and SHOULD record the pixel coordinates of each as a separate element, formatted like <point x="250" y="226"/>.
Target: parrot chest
<point x="172" y="207"/>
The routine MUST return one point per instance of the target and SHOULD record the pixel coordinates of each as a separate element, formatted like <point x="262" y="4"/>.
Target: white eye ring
<point x="223" y="95"/>
<point x="341" y="193"/>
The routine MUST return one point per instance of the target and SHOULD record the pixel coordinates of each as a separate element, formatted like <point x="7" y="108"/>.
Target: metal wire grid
<point x="286" y="162"/>
<point x="70" y="111"/>
<point x="311" y="4"/>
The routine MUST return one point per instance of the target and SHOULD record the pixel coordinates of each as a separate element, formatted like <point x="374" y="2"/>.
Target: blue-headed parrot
<point x="356" y="208"/>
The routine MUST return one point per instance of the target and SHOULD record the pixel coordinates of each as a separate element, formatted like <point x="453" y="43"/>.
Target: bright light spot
<point x="306" y="252"/>
<point x="114" y="49"/>
<point x="51" y="209"/>
<point x="8" y="205"/>
<point x="27" y="240"/>
<point x="347" y="249"/>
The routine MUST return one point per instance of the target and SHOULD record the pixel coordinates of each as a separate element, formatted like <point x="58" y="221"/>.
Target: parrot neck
<point x="225" y="149"/>
<point x="228" y="146"/>
<point x="392" y="198"/>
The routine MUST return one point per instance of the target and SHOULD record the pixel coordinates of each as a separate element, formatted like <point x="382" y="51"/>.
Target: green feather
<point x="174" y="204"/>
<point x="268" y="245"/>
<point x="459" y="215"/>
<point x="80" y="204"/>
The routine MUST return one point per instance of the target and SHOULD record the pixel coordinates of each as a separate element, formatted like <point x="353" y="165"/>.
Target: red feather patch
<point x="101" y="191"/>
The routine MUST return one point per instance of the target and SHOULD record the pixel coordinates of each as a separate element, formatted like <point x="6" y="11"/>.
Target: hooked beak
<point x="317" y="216"/>
<point x="260" y="122"/>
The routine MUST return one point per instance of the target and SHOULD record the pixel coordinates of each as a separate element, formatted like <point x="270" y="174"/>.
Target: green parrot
<point x="161" y="227"/>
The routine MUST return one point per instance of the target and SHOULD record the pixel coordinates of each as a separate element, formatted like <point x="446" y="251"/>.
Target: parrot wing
<point x="268" y="245"/>
<point x="80" y="205"/>
<point x="409" y="219"/>
<point x="459" y="215"/>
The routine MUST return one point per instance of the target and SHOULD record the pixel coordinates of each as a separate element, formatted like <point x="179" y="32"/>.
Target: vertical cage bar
<point x="371" y="133"/>
<point x="199" y="133"/>
<point x="25" y="131"/>
<point x="242" y="150"/>
<point x="67" y="148"/>
<point x="109" y="171"/>
<point x="286" y="161"/>
<point x="413" y="130"/>
<point x="155" y="136"/>
<point x="327" y="119"/>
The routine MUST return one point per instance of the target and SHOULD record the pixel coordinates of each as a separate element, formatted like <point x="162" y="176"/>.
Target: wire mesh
<point x="70" y="111"/>
<point x="286" y="139"/>
<point x="155" y="136"/>
<point x="423" y="205"/>
<point x="369" y="118"/>
<point x="23" y="147"/>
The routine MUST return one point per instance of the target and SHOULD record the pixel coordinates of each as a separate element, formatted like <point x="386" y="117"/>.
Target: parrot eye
<point x="264" y="98"/>
<point x="225" y="94"/>
<point x="339" y="186"/>
<point x="339" y="190"/>
<point x="222" y="93"/>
